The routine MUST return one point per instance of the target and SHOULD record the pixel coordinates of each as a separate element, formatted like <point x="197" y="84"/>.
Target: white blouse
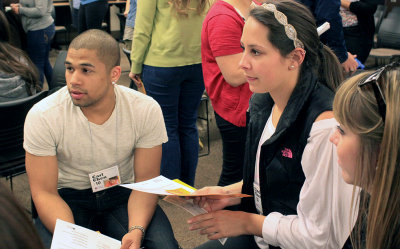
<point x="323" y="219"/>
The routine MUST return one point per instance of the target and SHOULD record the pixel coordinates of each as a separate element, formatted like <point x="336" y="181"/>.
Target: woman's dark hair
<point x="319" y="58"/>
<point x="16" y="229"/>
<point x="15" y="61"/>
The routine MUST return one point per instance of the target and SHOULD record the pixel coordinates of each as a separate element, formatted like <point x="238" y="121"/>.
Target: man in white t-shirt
<point x="90" y="136"/>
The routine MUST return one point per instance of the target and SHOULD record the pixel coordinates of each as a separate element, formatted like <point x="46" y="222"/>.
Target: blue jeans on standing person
<point x="233" y="147"/>
<point x="106" y="211"/>
<point x="178" y="90"/>
<point x="38" y="48"/>
<point x="91" y="15"/>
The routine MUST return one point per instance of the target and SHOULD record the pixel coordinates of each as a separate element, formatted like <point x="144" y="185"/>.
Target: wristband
<point x="137" y="227"/>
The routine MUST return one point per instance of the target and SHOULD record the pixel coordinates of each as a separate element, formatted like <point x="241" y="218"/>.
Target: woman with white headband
<point x="299" y="197"/>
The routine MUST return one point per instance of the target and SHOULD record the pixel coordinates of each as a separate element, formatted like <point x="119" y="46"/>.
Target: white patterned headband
<point x="282" y="19"/>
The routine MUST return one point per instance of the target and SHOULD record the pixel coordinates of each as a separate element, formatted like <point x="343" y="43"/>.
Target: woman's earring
<point x="113" y="82"/>
<point x="291" y="67"/>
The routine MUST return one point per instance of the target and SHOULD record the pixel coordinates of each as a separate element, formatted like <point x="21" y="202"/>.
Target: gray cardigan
<point x="36" y="14"/>
<point x="12" y="87"/>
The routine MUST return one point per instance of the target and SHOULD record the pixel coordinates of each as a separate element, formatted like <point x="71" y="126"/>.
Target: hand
<point x="211" y="204"/>
<point x="136" y="79"/>
<point x="15" y="8"/>
<point x="350" y="65"/>
<point x="126" y="12"/>
<point x="220" y="224"/>
<point x="132" y="240"/>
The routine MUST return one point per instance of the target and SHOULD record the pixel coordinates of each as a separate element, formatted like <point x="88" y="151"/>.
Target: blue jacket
<point x="328" y="11"/>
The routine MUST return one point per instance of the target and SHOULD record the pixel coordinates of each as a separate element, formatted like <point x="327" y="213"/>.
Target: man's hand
<point x="350" y="65"/>
<point x="132" y="240"/>
<point x="136" y="79"/>
<point x="15" y="8"/>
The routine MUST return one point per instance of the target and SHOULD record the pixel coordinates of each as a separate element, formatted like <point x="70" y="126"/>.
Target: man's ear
<point x="115" y="73"/>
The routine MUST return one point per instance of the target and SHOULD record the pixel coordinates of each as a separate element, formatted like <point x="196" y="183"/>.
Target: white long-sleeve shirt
<point x="323" y="212"/>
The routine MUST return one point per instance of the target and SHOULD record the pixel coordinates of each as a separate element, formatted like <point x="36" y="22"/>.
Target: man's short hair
<point x="106" y="47"/>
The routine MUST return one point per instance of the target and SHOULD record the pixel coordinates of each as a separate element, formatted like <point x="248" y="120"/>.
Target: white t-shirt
<point x="323" y="219"/>
<point x="56" y="127"/>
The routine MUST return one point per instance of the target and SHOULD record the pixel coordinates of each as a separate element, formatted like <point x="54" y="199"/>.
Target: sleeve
<point x="323" y="211"/>
<point x="328" y="11"/>
<point x="224" y="34"/>
<point x="39" y="139"/>
<point x="364" y="8"/>
<point x="152" y="130"/>
<point x="146" y="10"/>
<point x="38" y="11"/>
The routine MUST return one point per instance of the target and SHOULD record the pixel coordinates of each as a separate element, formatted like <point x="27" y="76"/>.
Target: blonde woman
<point x="166" y="56"/>
<point x="367" y="139"/>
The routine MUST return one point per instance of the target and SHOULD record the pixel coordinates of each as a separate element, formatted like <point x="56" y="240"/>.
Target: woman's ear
<point x="296" y="58"/>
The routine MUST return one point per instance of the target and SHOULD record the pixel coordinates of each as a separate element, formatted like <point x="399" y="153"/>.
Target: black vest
<point x="281" y="174"/>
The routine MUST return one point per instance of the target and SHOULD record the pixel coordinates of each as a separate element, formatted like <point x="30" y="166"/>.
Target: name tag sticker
<point x="257" y="198"/>
<point x="105" y="179"/>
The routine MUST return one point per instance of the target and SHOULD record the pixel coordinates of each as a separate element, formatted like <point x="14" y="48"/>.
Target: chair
<point x="58" y="79"/>
<point x="122" y="20"/>
<point x="59" y="30"/>
<point x="12" y="153"/>
<point x="204" y="102"/>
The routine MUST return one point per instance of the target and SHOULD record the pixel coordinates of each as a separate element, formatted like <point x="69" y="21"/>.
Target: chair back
<point x="13" y="114"/>
<point x="58" y="78"/>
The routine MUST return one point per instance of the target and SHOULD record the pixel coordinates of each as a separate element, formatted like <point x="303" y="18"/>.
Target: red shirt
<point x="220" y="36"/>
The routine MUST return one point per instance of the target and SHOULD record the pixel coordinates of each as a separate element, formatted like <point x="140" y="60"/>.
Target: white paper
<point x="70" y="236"/>
<point x="323" y="28"/>
<point x="158" y="185"/>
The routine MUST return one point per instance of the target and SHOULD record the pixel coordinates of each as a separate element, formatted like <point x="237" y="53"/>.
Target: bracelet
<point x="137" y="227"/>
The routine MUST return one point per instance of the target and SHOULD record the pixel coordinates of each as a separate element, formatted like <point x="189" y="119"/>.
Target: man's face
<point x="88" y="78"/>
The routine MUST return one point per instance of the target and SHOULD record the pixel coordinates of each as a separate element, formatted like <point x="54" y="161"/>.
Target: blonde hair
<point x="377" y="169"/>
<point x="182" y="7"/>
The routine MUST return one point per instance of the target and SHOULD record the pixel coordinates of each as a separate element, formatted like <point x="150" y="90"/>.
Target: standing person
<point x="130" y="14"/>
<point x="359" y="26"/>
<point x="225" y="82"/>
<point x="17" y="230"/>
<point x="328" y="11"/>
<point x="91" y="14"/>
<point x="367" y="140"/>
<point x="166" y="56"/>
<point x="300" y="199"/>
<point x="39" y="27"/>
<point x="88" y="132"/>
<point x="18" y="75"/>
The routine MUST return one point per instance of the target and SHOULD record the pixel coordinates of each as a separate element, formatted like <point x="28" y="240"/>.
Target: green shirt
<point x="162" y="38"/>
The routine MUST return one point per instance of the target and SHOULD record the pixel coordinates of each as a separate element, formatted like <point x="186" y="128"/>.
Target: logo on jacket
<point x="287" y="153"/>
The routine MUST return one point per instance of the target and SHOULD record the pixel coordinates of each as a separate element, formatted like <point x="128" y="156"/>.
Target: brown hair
<point x="106" y="47"/>
<point x="182" y="7"/>
<point x="14" y="61"/>
<point x="378" y="166"/>
<point x="319" y="58"/>
<point x="16" y="229"/>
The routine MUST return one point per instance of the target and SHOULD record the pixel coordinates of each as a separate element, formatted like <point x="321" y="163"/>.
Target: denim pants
<point x="106" y="211"/>
<point x="91" y="15"/>
<point x="178" y="90"/>
<point x="233" y="147"/>
<point x="38" y="48"/>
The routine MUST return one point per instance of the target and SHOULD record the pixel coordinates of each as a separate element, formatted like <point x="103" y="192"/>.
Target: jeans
<point x="91" y="15"/>
<point x="239" y="242"/>
<point x="106" y="211"/>
<point x="233" y="147"/>
<point x="178" y="90"/>
<point x="38" y="48"/>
